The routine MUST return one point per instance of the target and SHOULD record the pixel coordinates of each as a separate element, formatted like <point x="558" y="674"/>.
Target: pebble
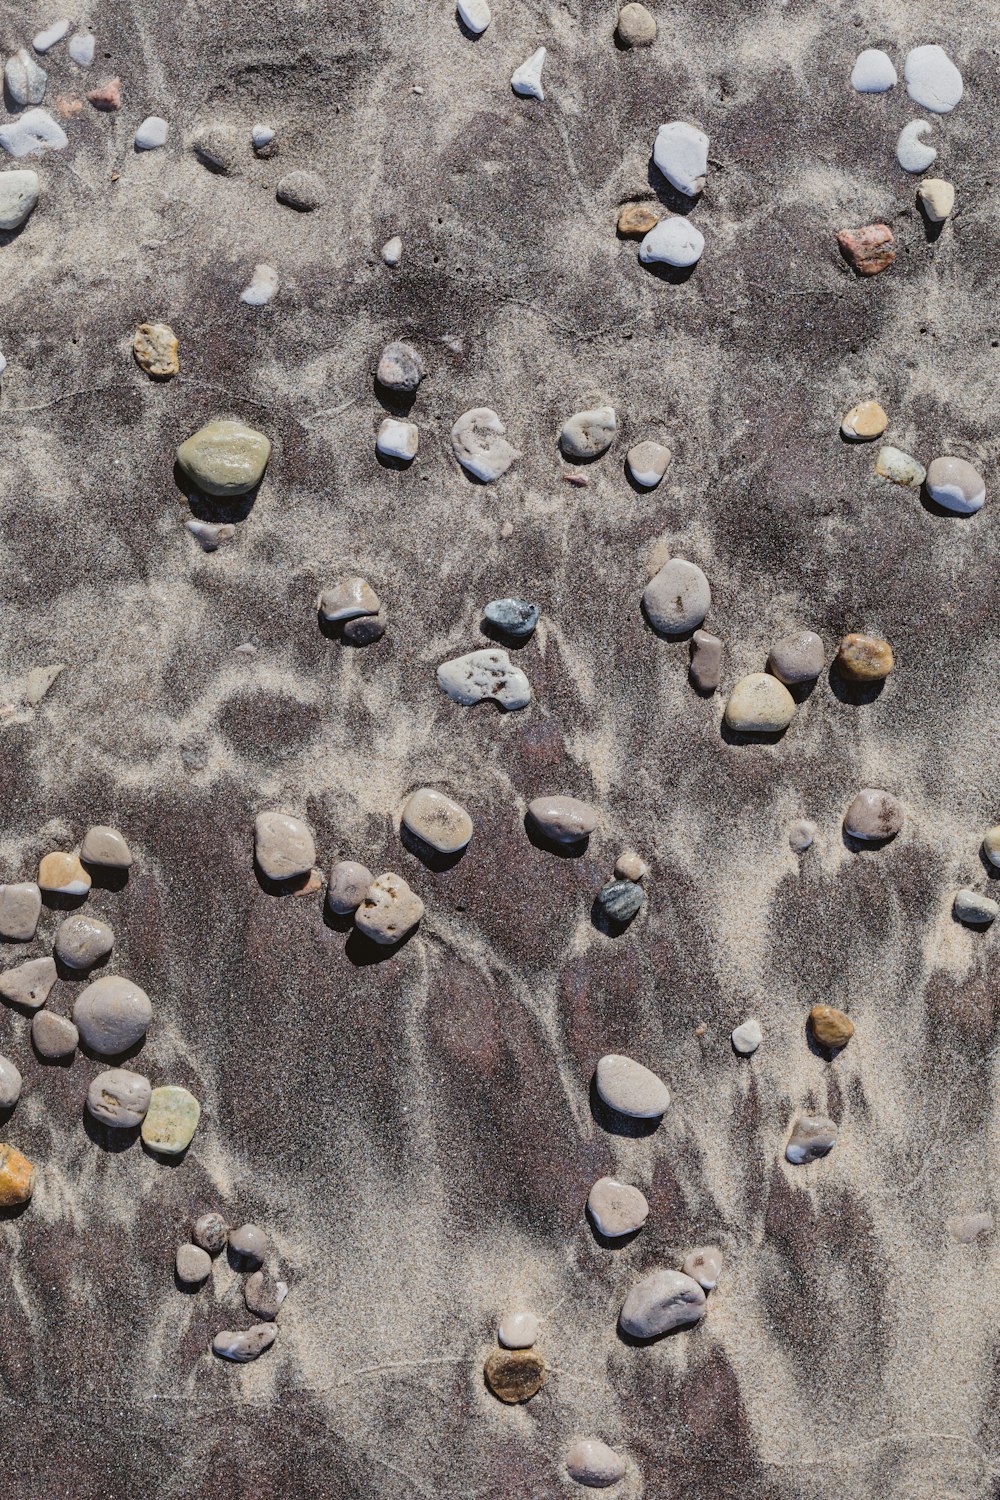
<point x="893" y="463"/>
<point x="636" y="27"/>
<point x="706" y="661"/>
<point x="264" y="1295"/>
<point x="514" y="1375"/>
<point x="801" y="834"/>
<point x="647" y="463"/>
<point x="63" y="874"/>
<point x="482" y="675"/>
<point x="991" y="846"/>
<point x="565" y="820"/>
<point x="479" y="442"/>
<point x="678" y="598"/>
<point x="680" y="151"/>
<point x="831" y="1028"/>
<point x="29" y="983"/>
<point x="437" y="820"/>
<point x="390" y="910"/>
<point x="661" y="1302"/>
<point x="112" y="1014"/>
<point x="704" y="1266"/>
<point x="813" y="1136"/>
<point x="868" y="250"/>
<point x="588" y="434"/>
<point x="81" y="941"/>
<point x="620" y="900"/>
<point x="20" y="908"/>
<point x="518" y="1330"/>
<point x="210" y="534"/>
<point x="283" y="846"/>
<point x="865" y="421"/>
<point x="151" y="134"/>
<point x="192" y="1264"/>
<point x="759" y="704"/>
<point x="303" y="191"/>
<point x="250" y="1244"/>
<point x="106" y="847"/>
<point x="932" y="80"/>
<point x="10" y="1083"/>
<point x="400" y="368"/>
<point x="107" y="95"/>
<point x="966" y="1228"/>
<point x="515" y="617"/>
<point x="210" y="1232"/>
<point x="635" y="220"/>
<point x="631" y="1089"/>
<point x="397" y="439"/>
<point x="18" y="196"/>
<point x="17" y="1177"/>
<point x="873" y="72"/>
<point x="119" y="1097"/>
<point x="53" y="1036"/>
<point x="32" y="133"/>
<point x="226" y="457"/>
<point x="912" y="151"/>
<point x="245" y="1344"/>
<point x="747" y="1037"/>
<point x="24" y="78"/>
<point x="797" y="658"/>
<point x="81" y="48"/>
<point x="593" y="1463"/>
<point x="50" y="36"/>
<point x="262" y="287"/>
<point x="674" y="241"/>
<point x="616" y="1207"/>
<point x="261" y="137"/>
<point x="629" y="866"/>
<point x="874" y="815"/>
<point x="155" y="350"/>
<point x="975" y="909"/>
<point x="956" y="485"/>
<point x="864" y="658"/>
<point x="392" y="251"/>
<point x="346" y="887"/>
<point x="171" y="1120"/>
<point x="527" y="79"/>
<point x="475" y="14"/>
<point x="937" y="198"/>
<point x="349" y="600"/>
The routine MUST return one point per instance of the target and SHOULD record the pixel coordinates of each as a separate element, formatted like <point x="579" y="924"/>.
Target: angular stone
<point x="565" y="820"/>
<point x="155" y="349"/>
<point x="283" y="846"/>
<point x="678" y="598"/>
<point x="29" y="983"/>
<point x="956" y="485"/>
<point x="53" y="1036"/>
<point x="389" y="911"/>
<point x="932" y="80"/>
<point x="797" y="658"/>
<point x="474" y="14"/>
<point x="675" y="241"/>
<point x="991" y="846"/>
<point x="514" y="1375"/>
<point x="661" y="1302"/>
<point x="392" y="251"/>
<point x="974" y="908"/>
<point x="347" y="885"/>
<point x="704" y="1266"/>
<point x="812" y="1136"/>
<point x="400" y="368"/>
<point x="81" y="48"/>
<point x="647" y="463"/>
<point x="874" y="815"/>
<point x="245" y="1344"/>
<point x="107" y="96"/>
<point x="588" y="434"/>
<point x="936" y="197"/>
<point x="831" y="1028"/>
<point x="20" y="908"/>
<point x="868" y="250"/>
<point x="527" y="79"/>
<point x="593" y="1463"/>
<point x="801" y="834"/>
<point x="873" y="72"/>
<point x="17" y="1177"/>
<point x="82" y="940"/>
<point x="303" y="191"/>
<point x="63" y="875"/>
<point x="479" y="442"/>
<point x="18" y="196"/>
<point x="482" y="675"/>
<point x="24" y="78"/>
<point x="864" y="658"/>
<point x="892" y="463"/>
<point x="40" y="679"/>
<point x="437" y="820"/>
<point x="747" y="1037"/>
<point x="620" y="900"/>
<point x="112" y="1014"/>
<point x="119" y="1097"/>
<point x="518" y="1330"/>
<point x="630" y="1089"/>
<point x="171" y="1120"/>
<point x="348" y="601"/>
<point x="32" y="134"/>
<point x="635" y="220"/>
<point x="681" y="154"/>
<point x="210" y="534"/>
<point x="706" y="661"/>
<point x="249" y="1243"/>
<point x="10" y="1083"/>
<point x="397" y="439"/>
<point x="225" y="457"/>
<point x="264" y="1295"/>
<point x="192" y="1264"/>
<point x="211" y="1232"/>
<point x="865" y="421"/>
<point x="261" y="137"/>
<point x="515" y="617"/>
<point x="616" y="1207"/>
<point x="106" y="847"/>
<point x="759" y="704"/>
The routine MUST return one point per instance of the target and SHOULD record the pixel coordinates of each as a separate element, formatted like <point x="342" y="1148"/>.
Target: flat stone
<point x="678" y="598"/>
<point x="874" y="815"/>
<point x="515" y="617"/>
<point x="243" y="1345"/>
<point x="18" y="196"/>
<point x="32" y="133"/>
<point x="192" y="1264"/>
<point x="974" y="908"/>
<point x="873" y="72"/>
<point x="675" y="241"/>
<point x="892" y="463"/>
<point x="107" y="96"/>
<point x="106" y="847"/>
<point x="392" y="251"/>
<point x="303" y="191"/>
<point x="868" y="250"/>
<point x="112" y="1014"/>
<point x="250" y="1243"/>
<point x="171" y="1120"/>
<point x="225" y="457"/>
<point x="965" y="1229"/>
<point x="283" y="846"/>
<point x="210" y="534"/>
<point x="40" y="680"/>
<point x="81" y="941"/>
<point x="565" y="820"/>
<point x="913" y="152"/>
<point x="955" y="484"/>
<point x="482" y="675"/>
<point x="747" y="1037"/>
<point x="366" y="629"/>
<point x="390" y="910"/>
<point x="661" y="1302"/>
<point x="831" y="1028"/>
<point x="514" y="1375"/>
<point x="10" y="1083"/>
<point x="398" y="439"/>
<point x="864" y="658"/>
<point x="593" y="1463"/>
<point x="29" y="983"/>
<point x="17" y="1177"/>
<point x="81" y="48"/>
<point x="704" y="1266"/>
<point x="119" y="1098"/>
<point x="616" y="1207"/>
<point x="347" y="601"/>
<point x="438" y="820"/>
<point x="63" y="874"/>
<point x="932" y="80"/>
<point x="400" y="368"/>
<point x="262" y="287"/>
<point x="210" y="1232"/>
<point x="479" y="442"/>
<point x="518" y="1330"/>
<point x="812" y="1136"/>
<point x="706" y="661"/>
<point x="52" y="34"/>
<point x="991" y="846"/>
<point x="801" y="834"/>
<point x="863" y="422"/>
<point x="631" y="1089"/>
<point x="24" y="78"/>
<point x="798" y="657"/>
<point x="527" y="79"/>
<point x="20" y="908"/>
<point x="936" y="197"/>
<point x="474" y="14"/>
<point x="264" y="1295"/>
<point x="620" y="900"/>
<point x="346" y="887"/>
<point x="155" y="349"/>
<point x="629" y="866"/>
<point x="636" y="27"/>
<point x="588" y="434"/>
<point x="635" y="220"/>
<point x="53" y="1036"/>
<point x="680" y="151"/>
<point x="759" y="704"/>
<point x="647" y="463"/>
<point x="151" y="134"/>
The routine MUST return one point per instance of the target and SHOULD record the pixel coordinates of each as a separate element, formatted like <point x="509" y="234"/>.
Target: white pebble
<point x="479" y="442"/>
<point x="392" y="251"/>
<point x="151" y="133"/>
<point x="747" y="1037"/>
<point x="52" y="34"/>
<point x="932" y="80"/>
<point x="261" y="135"/>
<point x="263" y="285"/>
<point x="518" y="1330"/>
<point x="527" y="79"/>
<point x="25" y="79"/>
<point x="397" y="439"/>
<point x="912" y="152"/>
<point x="673" y="240"/>
<point x="3" y="363"/>
<point x="81" y="48"/>
<point x="681" y="153"/>
<point x="475" y="14"/>
<point x="485" y="675"/>
<point x="873" y="72"/>
<point x="32" y="133"/>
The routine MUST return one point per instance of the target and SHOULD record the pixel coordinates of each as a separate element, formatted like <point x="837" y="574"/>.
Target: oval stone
<point x="678" y="598"/>
<point x="864" y="658"/>
<point x="680" y="152"/>
<point x="588" y="434"/>
<point x="192" y="1264"/>
<point x="515" y="617"/>
<point x="675" y="241"/>
<point x="283" y="846"/>
<point x="63" y="875"/>
<point x="863" y="422"/>
<point x="225" y="457"/>
<point x="631" y="1089"/>
<point x="661" y="1302"/>
<point x="514" y="1375"/>
<point x="620" y="900"/>
<point x="593" y="1463"/>
<point x="244" y="1344"/>
<point x="53" y="1036"/>
<point x="438" y="820"/>
<point x="400" y="368"/>
<point x="797" y="657"/>
<point x="81" y="940"/>
<point x="112" y="1014"/>
<point x="616" y="1207"/>
<point x="171" y="1120"/>
<point x="956" y="485"/>
<point x="974" y="908"/>
<point x="813" y="1136"/>
<point x="704" y="1266"/>
<point x="991" y="848"/>
<point x="759" y="704"/>
<point x="346" y="887"/>
<point x="747" y="1037"/>
<point x="18" y="196"/>
<point x="249" y="1243"/>
<point x="17" y="1177"/>
<point x="119" y="1097"/>
<point x="564" y="820"/>
<point x="107" y="847"/>
<point x="831" y="1028"/>
<point x="518" y="1330"/>
<point x="20" y="908"/>
<point x="10" y="1083"/>
<point x="647" y="463"/>
<point x="874" y="815"/>
<point x="210" y="1232"/>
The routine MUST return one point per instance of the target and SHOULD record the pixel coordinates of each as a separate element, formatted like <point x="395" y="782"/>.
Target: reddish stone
<point x="108" y="96"/>
<point x="868" y="250"/>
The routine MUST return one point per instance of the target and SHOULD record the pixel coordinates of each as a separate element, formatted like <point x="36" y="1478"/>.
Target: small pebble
<point x="527" y="79"/>
<point x="706" y="661"/>
<point x="32" y="133"/>
<point x="50" y="36"/>
<point x="81" y="48"/>
<point x="956" y="485"/>
<point x="678" y="598"/>
<point x="261" y="136"/>
<point x="932" y="80"/>
<point x="10" y="1084"/>
<point x="991" y="846"/>
<point x="155" y="350"/>
<point x="811" y="1138"/>
<point x="797" y="658"/>
<point x="636" y="27"/>
<point x="264" y="1295"/>
<point x="864" y="658"/>
<point x="759" y="704"/>
<point x="392" y="251"/>
<point x="210" y="534"/>
<point x="29" y="983"/>
<point x="63" y="874"/>
<point x="437" y="820"/>
<point x="390" y="910"/>
<point x="661" y="1302"/>
<point x="250" y="1244"/>
<point x="635" y="220"/>
<point x="874" y="815"/>
<point x="112" y="1014"/>
<point x="893" y="463"/>
<point x="479" y="442"/>
<point x="593" y="1463"/>
<point x="704" y="1266"/>
<point x="936" y="197"/>
<point x="106" y="96"/>
<point x="303" y="191"/>
<point x="246" y="1344"/>
<point x="106" y="847"/>
<point x="868" y="250"/>
<point x="151" y="134"/>
<point x="831" y="1028"/>
<point x="119" y="1098"/>
<point x="514" y="1375"/>
<point x="482" y="675"/>
<point x="801" y="834"/>
<point x="680" y="151"/>
<point x="912" y="151"/>
<point x="225" y="457"/>
<point x="616" y="1207"/>
<point x="620" y="900"/>
<point x="400" y="368"/>
<point x="210" y="1232"/>
<point x="863" y="422"/>
<point x="647" y="463"/>
<point x="397" y="439"/>
<point x="283" y="846"/>
<point x="53" y="1036"/>
<point x="192" y="1264"/>
<point x="82" y="941"/>
<point x="474" y="14"/>
<point x="588" y="434"/>
<point x="630" y="1089"/>
<point x="675" y="241"/>
<point x="975" y="909"/>
<point x="515" y="617"/>
<point x="17" y="1177"/>
<point x="565" y="820"/>
<point x="24" y="78"/>
<point x="967" y="1228"/>
<point x="20" y="908"/>
<point x="747" y="1037"/>
<point x="171" y="1120"/>
<point x="628" y="866"/>
<point x="18" y="196"/>
<point x="518" y="1330"/>
<point x="262" y="287"/>
<point x="349" y="600"/>
<point x="873" y="72"/>
<point x="346" y="887"/>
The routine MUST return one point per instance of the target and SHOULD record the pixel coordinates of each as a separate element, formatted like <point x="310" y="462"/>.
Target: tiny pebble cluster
<point x="263" y="1294"/>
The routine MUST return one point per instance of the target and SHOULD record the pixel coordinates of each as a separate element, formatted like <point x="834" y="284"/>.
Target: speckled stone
<point x="155" y="349"/>
<point x="112" y="1014"/>
<point x="437" y="819"/>
<point x="564" y="820"/>
<point x="647" y="462"/>
<point x="515" y="617"/>
<point x="106" y="847"/>
<point x="171" y="1120"/>
<point x="18" y="196"/>
<point x="514" y="1375"/>
<point x="616" y="1207"/>
<point x="801" y="834"/>
<point x="389" y="911"/>
<point x="706" y="661"/>
<point x="53" y="1036"/>
<point x="874" y="815"/>
<point x="864" y="658"/>
<point x="594" y="1464"/>
<point x="630" y="1088"/>
<point x="10" y="1083"/>
<point x="210" y="1232"/>
<point x="747" y="1037"/>
<point x="831" y="1029"/>
<point x="479" y="442"/>
<point x="863" y="422"/>
<point x="518" y="1330"/>
<point x="192" y="1264"/>
<point x="119" y="1097"/>
<point x="588" y="434"/>
<point x="636" y="27"/>
<point x="620" y="900"/>
<point x="225" y="457"/>
<point x="63" y="874"/>
<point x="485" y="675"/>
<point x="797" y="657"/>
<point x="704" y="1266"/>
<point x="250" y="1243"/>
<point x="81" y="941"/>
<point x="304" y="191"/>
<point x="975" y="909"/>
<point x="400" y="368"/>
<point x="20" y="908"/>
<point x="635" y="220"/>
<point x="242" y="1345"/>
<point x="678" y="598"/>
<point x="759" y="704"/>
<point x="264" y="1295"/>
<point x="812" y="1136"/>
<point x="17" y="1177"/>
<point x="892" y="463"/>
<point x="346" y="887"/>
<point x="29" y="983"/>
<point x="661" y="1302"/>
<point x="283" y="846"/>
<point x="868" y="250"/>
<point x="349" y="600"/>
<point x="956" y="485"/>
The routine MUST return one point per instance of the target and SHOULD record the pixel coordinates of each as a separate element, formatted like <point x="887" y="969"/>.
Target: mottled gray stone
<point x="29" y="983"/>
<point x="107" y="847"/>
<point x="400" y="368"/>
<point x="630" y="1088"/>
<point x="974" y="908"/>
<point x="797" y="657"/>
<point x="119" y="1097"/>
<point x="588" y="434"/>
<point x="82" y="940"/>
<point x="660" y="1302"/>
<point x="54" y="1036"/>
<point x="249" y="1243"/>
<point x="112" y="1014"/>
<point x="347" y="885"/>
<point x="812" y="1136"/>
<point x="283" y="846"/>
<point x="620" y="899"/>
<point x="20" y="908"/>
<point x="193" y="1264"/>
<point x="264" y="1295"/>
<point x="678" y="598"/>
<point x="515" y="617"/>
<point x="210" y="1232"/>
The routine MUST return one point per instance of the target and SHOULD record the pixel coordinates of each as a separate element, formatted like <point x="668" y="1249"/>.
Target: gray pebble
<point x="797" y="658"/>
<point x="631" y="1089"/>
<point x="590" y="1461"/>
<point x="661" y="1302"/>
<point x="210" y="1232"/>
<point x="10" y="1083"/>
<point x="24" y="78"/>
<point x="678" y="598"/>
<point x="210" y="534"/>
<point x="813" y="1136"/>
<point x="18" y="196"/>
<point x="263" y="1295"/>
<point x="706" y="660"/>
<point x="565" y="820"/>
<point x="747" y="1037"/>
<point x="366" y="630"/>
<point x="390" y="910"/>
<point x="105" y="846"/>
<point x="81" y="940"/>
<point x="112" y="1014"/>
<point x="151" y="134"/>
<point x="482" y="675"/>
<point x="119" y="1097"/>
<point x="283" y="846"/>
<point x="400" y="368"/>
<point x="246" y="1344"/>
<point x="249" y="1243"/>
<point x="801" y="835"/>
<point x="193" y="1264"/>
<point x="347" y="885"/>
<point x="29" y="984"/>
<point x="588" y="434"/>
<point x="304" y="191"/>
<point x="874" y="815"/>
<point x="515" y="617"/>
<point x="54" y="1036"/>
<point x="974" y="908"/>
<point x="20" y="908"/>
<point x="621" y="899"/>
<point x="616" y="1207"/>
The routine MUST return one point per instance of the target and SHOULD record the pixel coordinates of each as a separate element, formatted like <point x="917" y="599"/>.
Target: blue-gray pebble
<point x="515" y="617"/>
<point x="621" y="899"/>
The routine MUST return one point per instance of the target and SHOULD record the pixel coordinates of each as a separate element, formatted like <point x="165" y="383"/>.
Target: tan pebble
<point x="312" y="883"/>
<point x="390" y="910"/>
<point x="616" y="1208"/>
<point x="171" y="1120"/>
<point x="759" y="704"/>
<point x="29" y="983"/>
<point x="20" y="908"/>
<point x="63" y="874"/>
<point x="155" y="349"/>
<point x="107" y="847"/>
<point x="565" y="820"/>
<point x="636" y="27"/>
<point x="67" y="106"/>
<point x="283" y="846"/>
<point x="437" y="820"/>
<point x="937" y="198"/>
<point x="629" y="866"/>
<point x="865" y="421"/>
<point x="704" y="1266"/>
<point x="107" y="96"/>
<point x="874" y="815"/>
<point x="635" y="220"/>
<point x="348" y="600"/>
<point x="347" y="886"/>
<point x="831" y="1028"/>
<point x="53" y="1036"/>
<point x="864" y="658"/>
<point x="514" y="1375"/>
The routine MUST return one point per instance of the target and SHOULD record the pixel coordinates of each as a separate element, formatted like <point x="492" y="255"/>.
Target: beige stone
<point x="438" y="820"/>
<point x="283" y="846"/>
<point x="874" y="815"/>
<point x="704" y="1266"/>
<point x="630" y="1088"/>
<point x="635" y="220"/>
<point x="29" y="983"/>
<point x="63" y="875"/>
<point x="53" y="1036"/>
<point x="349" y="600"/>
<point x="593" y="1463"/>
<point x="759" y="704"/>
<point x="865" y="421"/>
<point x="629" y="866"/>
<point x="518" y="1330"/>
<point x="155" y="349"/>
<point x="107" y="847"/>
<point x="565" y="820"/>
<point x="171" y="1120"/>
<point x="678" y="598"/>
<point x="991" y="846"/>
<point x="389" y="911"/>
<point x="20" y="908"/>
<point x="347" y="886"/>
<point x="616" y="1207"/>
<point x="937" y="198"/>
<point x="636" y="27"/>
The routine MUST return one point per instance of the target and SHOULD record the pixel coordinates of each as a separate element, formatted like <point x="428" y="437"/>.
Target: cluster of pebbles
<point x="263" y="1294"/>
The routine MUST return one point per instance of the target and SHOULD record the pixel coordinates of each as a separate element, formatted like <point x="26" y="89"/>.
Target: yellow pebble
<point x="866" y="420"/>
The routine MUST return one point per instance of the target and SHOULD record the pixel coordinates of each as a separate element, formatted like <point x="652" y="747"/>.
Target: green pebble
<point x="225" y="458"/>
<point x="171" y="1120"/>
<point x="621" y="899"/>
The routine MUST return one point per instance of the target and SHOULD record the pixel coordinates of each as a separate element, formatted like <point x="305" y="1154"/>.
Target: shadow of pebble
<point x="118" y="1059"/>
<point x="396" y="403"/>
<point x="607" y="924"/>
<point x="189" y="1288"/>
<point x="616" y="1124"/>
<point x="859" y="846"/>
<point x="554" y="846"/>
<point x="281" y="887"/>
<point x="432" y="858"/>
<point x="853" y="692"/>
<point x="362" y="952"/>
<point x="499" y="637"/>
<point x="14" y="1211"/>
<point x="60" y="901"/>
<point x="165" y="1158"/>
<point x="108" y="1137"/>
<point x="635" y="1343"/>
<point x="105" y="877"/>
<point x="741" y="737"/>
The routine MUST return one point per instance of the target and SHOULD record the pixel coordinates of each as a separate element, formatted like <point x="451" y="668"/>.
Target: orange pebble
<point x="17" y="1177"/>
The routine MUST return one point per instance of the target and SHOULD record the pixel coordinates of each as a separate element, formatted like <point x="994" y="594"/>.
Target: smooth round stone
<point x="527" y="79"/>
<point x="392" y="251"/>
<point x="706" y="661"/>
<point x="112" y="1014"/>
<point x="831" y="1028"/>
<point x="171" y="1120"/>
<point x="661" y="1302"/>
<point x="244" y="1344"/>
<point x="63" y="875"/>
<point x="119" y="1097"/>
<point x="874" y="815"/>
<point x="283" y="846"/>
<point x="593" y="1463"/>
<point x="565" y="820"/>
<point x="151" y="134"/>
<point x="24" y="78"/>
<point x="892" y="463"/>
<point x="304" y="191"/>
<point x="17" y="1177"/>
<point x="53" y="1036"/>
<point x="192" y="1264"/>
<point x="155" y="349"/>
<point x="346" y="887"/>
<point x="936" y="197"/>
<point x="680" y="151"/>
<point x="475" y="14"/>
<point x="479" y="442"/>
<point x="225" y="457"/>
<point x="797" y="657"/>
<point x="400" y="368"/>
<point x="636" y="27"/>
<point x="864" y="658"/>
<point x="932" y="80"/>
<point x="29" y="983"/>
<point x="10" y="1083"/>
<point x="616" y="1207"/>
<point x="264" y="1295"/>
<point x="630" y="866"/>
<point x="249" y="1243"/>
<point x="801" y="834"/>
<point x="991" y="847"/>
<point x="912" y="152"/>
<point x="813" y="1136"/>
<point x="863" y="422"/>
<point x="873" y="72"/>
<point x="514" y="1375"/>
<point x="678" y="598"/>
<point x="438" y="820"/>
<point x="974" y="908"/>
<point x="210" y="1232"/>
<point x="52" y="34"/>
<point x="759" y="704"/>
<point x="106" y="847"/>
<point x="518" y="1330"/>
<point x="349" y="600"/>
<point x="515" y="617"/>
<point x="620" y="900"/>
<point x="485" y="675"/>
<point x="588" y="434"/>
<point x="647" y="463"/>
<point x="18" y="196"/>
<point x="81" y="941"/>
<point x="704" y="1266"/>
<point x="631" y="1089"/>
<point x="747" y="1037"/>
<point x="390" y="910"/>
<point x="674" y="241"/>
<point x="956" y="485"/>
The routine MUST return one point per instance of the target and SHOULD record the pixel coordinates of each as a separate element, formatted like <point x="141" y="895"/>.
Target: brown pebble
<point x="635" y="220"/>
<point x="514" y="1375"/>
<point x="706" y="661"/>
<point x="874" y="815"/>
<point x="830" y="1028"/>
<point x="868" y="250"/>
<point x="864" y="658"/>
<point x="107" y="96"/>
<point x="210" y="1232"/>
<point x="54" y="1036"/>
<point x="155" y="349"/>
